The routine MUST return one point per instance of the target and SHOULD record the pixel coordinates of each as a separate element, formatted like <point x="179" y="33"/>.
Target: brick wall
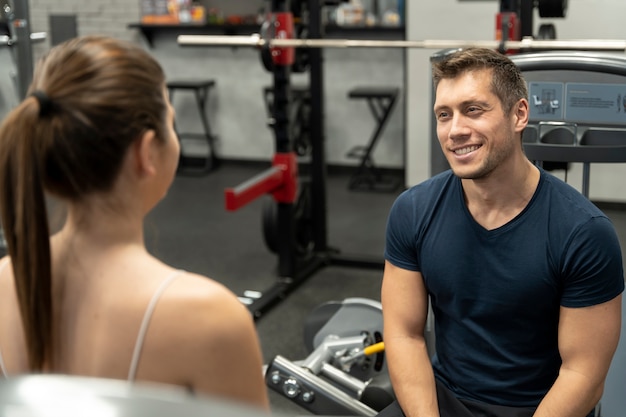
<point x="103" y="17"/>
<point x="111" y="17"/>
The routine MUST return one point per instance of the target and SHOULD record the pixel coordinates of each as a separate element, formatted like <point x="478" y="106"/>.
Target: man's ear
<point x="144" y="154"/>
<point x="521" y="115"/>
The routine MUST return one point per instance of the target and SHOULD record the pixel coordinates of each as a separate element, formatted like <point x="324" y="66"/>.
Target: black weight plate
<point x="552" y="8"/>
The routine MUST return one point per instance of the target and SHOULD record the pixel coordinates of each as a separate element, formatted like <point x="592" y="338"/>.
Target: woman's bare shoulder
<point x="203" y="301"/>
<point x="202" y="323"/>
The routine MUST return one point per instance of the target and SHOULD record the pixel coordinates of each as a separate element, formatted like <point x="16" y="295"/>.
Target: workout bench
<point x="381" y="101"/>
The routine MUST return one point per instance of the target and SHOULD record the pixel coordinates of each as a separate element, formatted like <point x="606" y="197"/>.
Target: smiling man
<point x="524" y="274"/>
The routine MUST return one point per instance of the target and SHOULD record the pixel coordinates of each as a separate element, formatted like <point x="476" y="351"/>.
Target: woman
<point x="96" y="132"/>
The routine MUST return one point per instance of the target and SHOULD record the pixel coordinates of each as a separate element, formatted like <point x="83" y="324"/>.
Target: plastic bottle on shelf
<point x="184" y="11"/>
<point x="390" y="15"/>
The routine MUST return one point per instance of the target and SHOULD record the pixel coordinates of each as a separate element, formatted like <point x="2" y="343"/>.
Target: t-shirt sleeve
<point x="593" y="268"/>
<point x="400" y="240"/>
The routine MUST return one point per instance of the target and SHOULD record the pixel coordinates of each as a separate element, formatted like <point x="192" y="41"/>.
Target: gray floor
<point x="191" y="230"/>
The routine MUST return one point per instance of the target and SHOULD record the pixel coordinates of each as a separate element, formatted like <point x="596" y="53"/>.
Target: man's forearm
<point x="412" y="377"/>
<point x="572" y="395"/>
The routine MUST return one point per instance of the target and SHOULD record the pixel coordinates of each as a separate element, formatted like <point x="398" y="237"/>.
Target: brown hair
<point x="507" y="83"/>
<point x="90" y="98"/>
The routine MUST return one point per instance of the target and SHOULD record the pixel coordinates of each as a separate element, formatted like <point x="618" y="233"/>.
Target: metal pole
<point x="20" y="25"/>
<point x="285" y="212"/>
<point x="318" y="140"/>
<point x="526" y="17"/>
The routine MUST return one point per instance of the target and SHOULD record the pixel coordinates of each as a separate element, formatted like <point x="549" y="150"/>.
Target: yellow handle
<point x="375" y="348"/>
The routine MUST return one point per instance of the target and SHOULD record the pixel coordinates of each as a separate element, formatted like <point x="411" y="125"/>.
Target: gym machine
<point x="577" y="109"/>
<point x="345" y="372"/>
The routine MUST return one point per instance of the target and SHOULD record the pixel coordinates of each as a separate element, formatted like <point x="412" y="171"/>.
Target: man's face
<point x="475" y="133"/>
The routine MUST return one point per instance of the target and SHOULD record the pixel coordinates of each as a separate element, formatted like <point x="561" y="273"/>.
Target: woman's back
<point x="199" y="335"/>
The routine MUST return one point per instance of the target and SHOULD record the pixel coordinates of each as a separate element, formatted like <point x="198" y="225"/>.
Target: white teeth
<point x="467" y="150"/>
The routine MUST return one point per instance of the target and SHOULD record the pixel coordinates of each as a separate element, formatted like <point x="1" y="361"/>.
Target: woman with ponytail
<point x="96" y="133"/>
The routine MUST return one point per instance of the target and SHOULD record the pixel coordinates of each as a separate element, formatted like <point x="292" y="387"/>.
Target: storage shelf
<point x="331" y="31"/>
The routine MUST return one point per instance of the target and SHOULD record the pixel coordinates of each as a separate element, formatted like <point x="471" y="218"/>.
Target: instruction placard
<point x="596" y="103"/>
<point x="545" y="101"/>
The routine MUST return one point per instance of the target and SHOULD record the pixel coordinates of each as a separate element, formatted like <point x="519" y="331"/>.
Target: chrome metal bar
<point x="344" y="379"/>
<point x="327" y="350"/>
<point x="255" y="40"/>
<point x="34" y="37"/>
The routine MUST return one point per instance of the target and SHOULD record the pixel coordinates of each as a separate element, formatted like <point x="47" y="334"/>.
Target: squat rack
<point x="298" y="203"/>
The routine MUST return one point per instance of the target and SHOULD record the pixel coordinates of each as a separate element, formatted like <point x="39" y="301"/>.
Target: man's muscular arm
<point x="405" y="308"/>
<point x="588" y="339"/>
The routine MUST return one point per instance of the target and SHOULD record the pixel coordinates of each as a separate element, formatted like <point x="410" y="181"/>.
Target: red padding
<point x="284" y="29"/>
<point x="281" y="180"/>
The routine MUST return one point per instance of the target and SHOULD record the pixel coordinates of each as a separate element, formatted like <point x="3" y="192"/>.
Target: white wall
<point x="475" y="20"/>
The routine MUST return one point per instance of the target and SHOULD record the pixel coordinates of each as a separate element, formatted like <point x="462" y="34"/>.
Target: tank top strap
<point x="3" y="368"/>
<point x="132" y="373"/>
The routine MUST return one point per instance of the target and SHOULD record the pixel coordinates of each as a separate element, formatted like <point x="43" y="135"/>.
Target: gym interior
<point x="357" y="123"/>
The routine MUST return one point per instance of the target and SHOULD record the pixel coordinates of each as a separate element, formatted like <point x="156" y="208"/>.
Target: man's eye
<point x="442" y="115"/>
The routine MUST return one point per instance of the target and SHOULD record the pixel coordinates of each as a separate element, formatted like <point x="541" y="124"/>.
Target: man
<point x="524" y="274"/>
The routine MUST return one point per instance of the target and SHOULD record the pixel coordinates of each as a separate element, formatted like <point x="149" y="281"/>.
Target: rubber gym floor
<point x="191" y="229"/>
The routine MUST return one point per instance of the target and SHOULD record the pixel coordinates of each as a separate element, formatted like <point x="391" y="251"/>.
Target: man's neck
<point x="497" y="199"/>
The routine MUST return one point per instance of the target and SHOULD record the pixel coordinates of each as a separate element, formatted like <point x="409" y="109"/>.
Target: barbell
<point x="6" y="40"/>
<point x="528" y="43"/>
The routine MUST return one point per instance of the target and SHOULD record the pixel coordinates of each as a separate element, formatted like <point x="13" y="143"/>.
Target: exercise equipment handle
<point x="280" y="180"/>
<point x="373" y="349"/>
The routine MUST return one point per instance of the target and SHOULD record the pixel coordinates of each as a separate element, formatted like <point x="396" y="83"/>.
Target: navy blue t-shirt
<point x="496" y="293"/>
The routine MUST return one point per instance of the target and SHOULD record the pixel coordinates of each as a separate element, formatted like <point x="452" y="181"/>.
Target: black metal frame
<point x="524" y="10"/>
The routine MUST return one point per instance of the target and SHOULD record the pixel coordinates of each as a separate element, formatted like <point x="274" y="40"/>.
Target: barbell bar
<point x="255" y="40"/>
<point x="34" y="37"/>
